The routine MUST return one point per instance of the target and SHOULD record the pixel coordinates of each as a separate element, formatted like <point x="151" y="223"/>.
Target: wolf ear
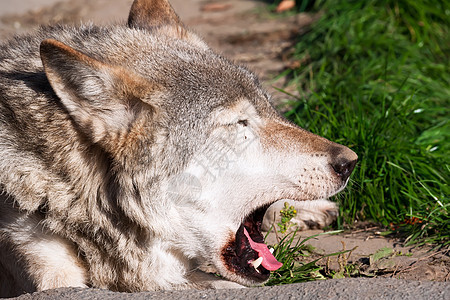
<point x="101" y="99"/>
<point x="146" y="14"/>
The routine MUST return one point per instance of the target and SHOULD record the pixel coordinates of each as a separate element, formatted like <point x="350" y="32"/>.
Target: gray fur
<point x="88" y="144"/>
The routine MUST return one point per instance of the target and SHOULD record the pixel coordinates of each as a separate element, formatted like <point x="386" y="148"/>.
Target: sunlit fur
<point x="129" y="156"/>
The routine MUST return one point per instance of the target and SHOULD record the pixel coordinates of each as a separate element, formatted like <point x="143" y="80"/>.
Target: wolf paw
<point x="202" y="281"/>
<point x="314" y="214"/>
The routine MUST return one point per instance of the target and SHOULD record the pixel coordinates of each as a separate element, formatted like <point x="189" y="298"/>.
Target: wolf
<point x="132" y="157"/>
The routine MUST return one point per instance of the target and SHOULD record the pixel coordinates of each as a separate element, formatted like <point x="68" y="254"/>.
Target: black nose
<point x="344" y="167"/>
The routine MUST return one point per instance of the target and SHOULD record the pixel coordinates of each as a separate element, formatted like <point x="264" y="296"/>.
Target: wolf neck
<point x="114" y="206"/>
<point x="90" y="202"/>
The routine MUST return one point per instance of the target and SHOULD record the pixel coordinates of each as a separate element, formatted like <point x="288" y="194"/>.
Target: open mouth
<point x="247" y="255"/>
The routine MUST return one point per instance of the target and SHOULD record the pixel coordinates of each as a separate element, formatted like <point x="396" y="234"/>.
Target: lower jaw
<point x="239" y="267"/>
<point x="237" y="253"/>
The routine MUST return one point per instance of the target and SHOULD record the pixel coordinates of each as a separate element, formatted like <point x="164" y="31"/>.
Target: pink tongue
<point x="269" y="261"/>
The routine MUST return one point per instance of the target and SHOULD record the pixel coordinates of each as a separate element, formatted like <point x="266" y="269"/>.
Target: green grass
<point x="291" y="250"/>
<point x="375" y="76"/>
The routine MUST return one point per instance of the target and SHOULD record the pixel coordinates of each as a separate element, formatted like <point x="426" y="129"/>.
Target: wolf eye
<point x="243" y="123"/>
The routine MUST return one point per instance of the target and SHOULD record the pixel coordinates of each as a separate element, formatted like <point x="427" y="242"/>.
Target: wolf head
<point x="196" y="150"/>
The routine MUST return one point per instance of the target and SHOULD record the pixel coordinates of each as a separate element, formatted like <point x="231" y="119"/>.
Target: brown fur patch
<point x="282" y="136"/>
<point x="51" y="47"/>
<point x="148" y="14"/>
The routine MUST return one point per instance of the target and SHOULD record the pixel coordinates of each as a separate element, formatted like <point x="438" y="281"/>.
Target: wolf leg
<point x="33" y="258"/>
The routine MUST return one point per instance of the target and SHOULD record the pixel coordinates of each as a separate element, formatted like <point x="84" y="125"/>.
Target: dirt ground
<point x="245" y="32"/>
<point x="374" y="255"/>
